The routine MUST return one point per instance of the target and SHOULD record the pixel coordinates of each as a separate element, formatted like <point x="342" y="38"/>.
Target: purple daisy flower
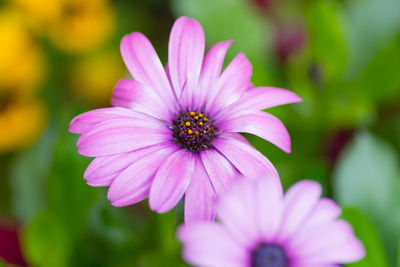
<point x="259" y="227"/>
<point x="174" y="131"/>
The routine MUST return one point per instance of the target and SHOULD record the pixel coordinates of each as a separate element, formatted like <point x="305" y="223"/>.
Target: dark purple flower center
<point x="193" y="130"/>
<point x="269" y="255"/>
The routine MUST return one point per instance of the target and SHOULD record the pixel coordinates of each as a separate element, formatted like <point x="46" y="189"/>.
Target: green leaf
<point x="70" y="198"/>
<point x="398" y="255"/>
<point x="372" y="24"/>
<point x="28" y="177"/>
<point x="380" y="80"/>
<point x="365" y="231"/>
<point x="2" y="263"/>
<point x="366" y="177"/>
<point x="45" y="242"/>
<point x="56" y="196"/>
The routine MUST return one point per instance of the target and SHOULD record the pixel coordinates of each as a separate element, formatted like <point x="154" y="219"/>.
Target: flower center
<point x="193" y="130"/>
<point x="267" y="255"/>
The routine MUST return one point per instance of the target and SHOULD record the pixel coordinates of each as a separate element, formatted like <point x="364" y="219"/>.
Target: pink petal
<point x="200" y="196"/>
<point x="85" y="121"/>
<point x="330" y="243"/>
<point x="299" y="201"/>
<point x="325" y="211"/>
<point x="268" y="206"/>
<point x="167" y="73"/>
<point x="124" y="93"/>
<point x="103" y="180"/>
<point x="245" y="158"/>
<point x="267" y="97"/>
<point x="258" y="99"/>
<point x="238" y="137"/>
<point x="232" y="83"/>
<point x="210" y="71"/>
<point x="350" y="251"/>
<point x="219" y="169"/>
<point x="121" y="136"/>
<point x="145" y="66"/>
<point x="133" y="184"/>
<point x="209" y="244"/>
<point x="171" y="181"/>
<point x="261" y="124"/>
<point x="237" y="211"/>
<point x="185" y="57"/>
<point x="133" y="95"/>
<point x="102" y="167"/>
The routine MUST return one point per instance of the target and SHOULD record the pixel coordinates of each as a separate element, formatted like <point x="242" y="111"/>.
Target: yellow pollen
<point x="190" y="131"/>
<point x="196" y="117"/>
<point x="192" y="113"/>
<point x="201" y="123"/>
<point x="196" y="132"/>
<point x="201" y="115"/>
<point x="205" y="119"/>
<point x="182" y="132"/>
<point x="204" y="131"/>
<point x="187" y="123"/>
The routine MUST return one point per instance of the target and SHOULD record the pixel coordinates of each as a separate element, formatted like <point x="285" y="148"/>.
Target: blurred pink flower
<point x="260" y="227"/>
<point x="10" y="246"/>
<point x="173" y="132"/>
<point x="289" y="40"/>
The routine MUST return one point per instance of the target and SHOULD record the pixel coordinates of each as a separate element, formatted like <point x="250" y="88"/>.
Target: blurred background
<point x="59" y="58"/>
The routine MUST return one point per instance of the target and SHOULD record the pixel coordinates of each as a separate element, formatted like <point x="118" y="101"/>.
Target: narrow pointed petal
<point x="200" y="196"/>
<point x="106" y="166"/>
<point x="133" y="184"/>
<point x="245" y="158"/>
<point x="124" y="93"/>
<point x="261" y="124"/>
<point x="219" y="169"/>
<point x="185" y="57"/>
<point x="145" y="66"/>
<point x="121" y="136"/>
<point x="87" y="120"/>
<point x="133" y="95"/>
<point x="102" y="180"/>
<point x="209" y="244"/>
<point x="238" y="137"/>
<point x="259" y="98"/>
<point x="267" y="97"/>
<point x="171" y="181"/>
<point x="232" y="83"/>
<point x="210" y="72"/>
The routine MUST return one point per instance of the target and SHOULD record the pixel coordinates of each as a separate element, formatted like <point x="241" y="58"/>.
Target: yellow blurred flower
<point x="22" y="70"/>
<point x="94" y="77"/>
<point x="21" y="124"/>
<point x="22" y="64"/>
<point x="72" y="25"/>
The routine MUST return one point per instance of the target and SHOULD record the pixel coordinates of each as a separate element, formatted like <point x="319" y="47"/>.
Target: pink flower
<point x="174" y="132"/>
<point x="261" y="227"/>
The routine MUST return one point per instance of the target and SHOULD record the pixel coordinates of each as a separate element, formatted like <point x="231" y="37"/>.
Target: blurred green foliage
<point x="345" y="134"/>
<point x="372" y="167"/>
<point x="365" y="230"/>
